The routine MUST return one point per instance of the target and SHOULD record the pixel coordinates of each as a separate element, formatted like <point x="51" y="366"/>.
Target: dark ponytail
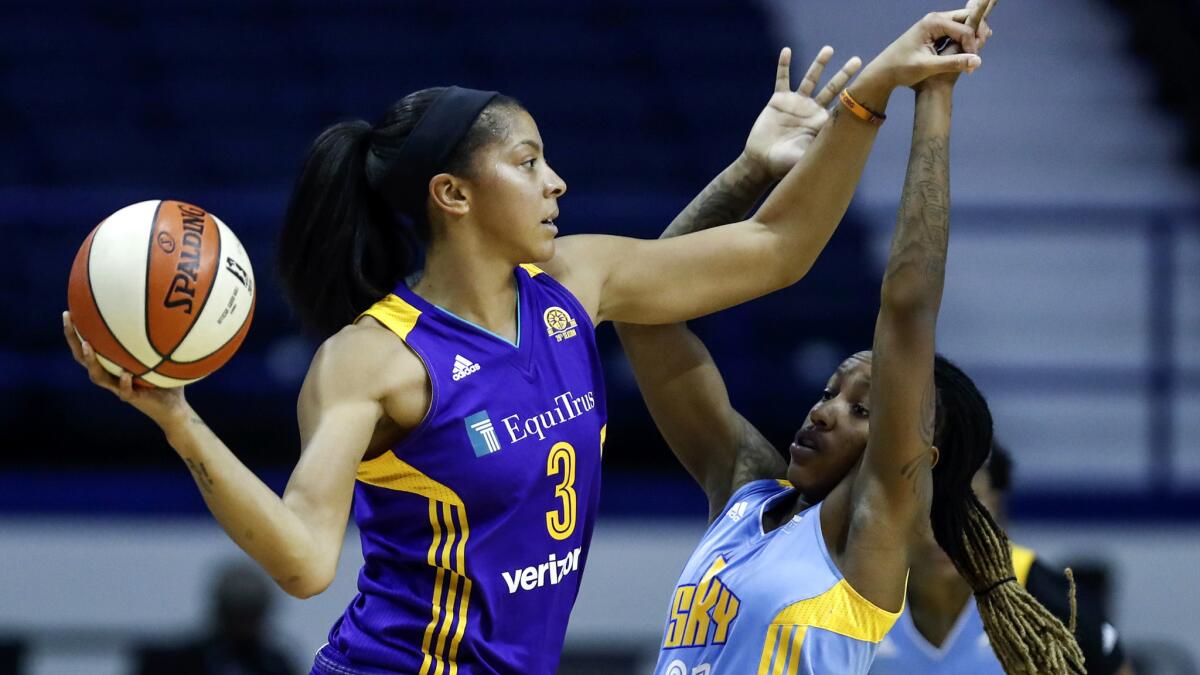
<point x="343" y="246"/>
<point x="1025" y="636"/>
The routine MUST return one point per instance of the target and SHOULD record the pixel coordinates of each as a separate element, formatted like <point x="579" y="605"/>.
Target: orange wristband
<point x="860" y="111"/>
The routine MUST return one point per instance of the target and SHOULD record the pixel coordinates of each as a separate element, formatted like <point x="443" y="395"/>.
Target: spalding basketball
<point x="163" y="290"/>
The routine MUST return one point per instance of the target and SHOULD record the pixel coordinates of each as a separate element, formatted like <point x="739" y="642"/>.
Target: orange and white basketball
<point x="164" y="290"/>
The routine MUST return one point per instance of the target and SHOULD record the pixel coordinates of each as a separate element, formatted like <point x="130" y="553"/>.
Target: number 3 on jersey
<point x="561" y="460"/>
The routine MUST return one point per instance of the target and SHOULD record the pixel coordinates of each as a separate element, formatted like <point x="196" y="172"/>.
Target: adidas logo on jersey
<point x="463" y="367"/>
<point x="738" y="510"/>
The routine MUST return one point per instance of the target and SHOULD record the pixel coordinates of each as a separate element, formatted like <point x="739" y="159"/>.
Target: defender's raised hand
<point x="914" y="56"/>
<point x="791" y="120"/>
<point x="974" y="16"/>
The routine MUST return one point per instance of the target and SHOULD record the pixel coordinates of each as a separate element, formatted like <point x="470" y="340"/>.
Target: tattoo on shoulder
<point x="756" y="457"/>
<point x="928" y="412"/>
<point x="915" y="468"/>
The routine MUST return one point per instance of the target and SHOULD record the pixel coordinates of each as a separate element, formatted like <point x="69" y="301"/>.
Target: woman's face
<point x="514" y="192"/>
<point x="834" y="434"/>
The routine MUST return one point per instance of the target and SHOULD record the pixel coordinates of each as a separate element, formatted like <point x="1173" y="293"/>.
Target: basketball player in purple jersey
<point x="462" y="413"/>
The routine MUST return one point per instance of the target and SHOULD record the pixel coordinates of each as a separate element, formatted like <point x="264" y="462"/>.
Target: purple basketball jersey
<point x="475" y="528"/>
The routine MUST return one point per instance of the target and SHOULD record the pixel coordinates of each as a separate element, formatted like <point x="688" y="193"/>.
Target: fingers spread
<point x="783" y="73"/>
<point x="838" y="81"/>
<point x="809" y="83"/>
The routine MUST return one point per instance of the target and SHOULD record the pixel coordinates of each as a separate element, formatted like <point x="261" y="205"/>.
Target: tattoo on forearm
<point x="200" y="474"/>
<point x="726" y="199"/>
<point x="923" y="225"/>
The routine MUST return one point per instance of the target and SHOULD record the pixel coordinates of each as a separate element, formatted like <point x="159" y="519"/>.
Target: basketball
<point x="164" y="290"/>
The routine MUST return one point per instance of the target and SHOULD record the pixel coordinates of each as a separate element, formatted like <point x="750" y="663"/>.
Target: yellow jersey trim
<point x="781" y="652"/>
<point x="843" y="611"/>
<point x="447" y="554"/>
<point x="533" y="270"/>
<point x="1022" y="560"/>
<point x="838" y="610"/>
<point x="390" y="472"/>
<point x="393" y="312"/>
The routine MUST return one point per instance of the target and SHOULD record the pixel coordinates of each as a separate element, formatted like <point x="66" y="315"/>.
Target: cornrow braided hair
<point x="1026" y="637"/>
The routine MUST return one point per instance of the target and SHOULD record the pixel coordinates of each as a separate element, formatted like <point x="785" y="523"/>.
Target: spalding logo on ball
<point x="163" y="290"/>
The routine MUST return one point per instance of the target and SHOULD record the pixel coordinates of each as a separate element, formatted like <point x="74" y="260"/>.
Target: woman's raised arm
<point x="664" y="281"/>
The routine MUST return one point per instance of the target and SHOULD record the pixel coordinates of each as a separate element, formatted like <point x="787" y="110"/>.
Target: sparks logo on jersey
<point x="559" y="324"/>
<point x="482" y="433"/>
<point x="550" y="572"/>
<point x="702" y="613"/>
<point x="738" y="510"/>
<point x="463" y="367"/>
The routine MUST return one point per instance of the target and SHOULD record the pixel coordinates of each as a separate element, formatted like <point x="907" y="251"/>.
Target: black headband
<point x="429" y="146"/>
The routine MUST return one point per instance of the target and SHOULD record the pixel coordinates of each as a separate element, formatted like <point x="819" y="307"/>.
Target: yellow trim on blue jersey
<point x="781" y="650"/>
<point x="1022" y="559"/>
<point x="393" y="312"/>
<point x="447" y="554"/>
<point x="843" y="611"/>
<point x="533" y="270"/>
<point x="838" y="610"/>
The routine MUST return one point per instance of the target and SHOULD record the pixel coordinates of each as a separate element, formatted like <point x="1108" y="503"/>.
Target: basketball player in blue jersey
<point x="940" y="632"/>
<point x="804" y="565"/>
<point x="462" y="412"/>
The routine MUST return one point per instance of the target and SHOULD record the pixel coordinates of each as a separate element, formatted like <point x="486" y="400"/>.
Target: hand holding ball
<point x="163" y="290"/>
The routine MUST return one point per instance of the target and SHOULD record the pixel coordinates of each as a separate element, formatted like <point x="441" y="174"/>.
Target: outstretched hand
<point x="160" y="405"/>
<point x="791" y="120"/>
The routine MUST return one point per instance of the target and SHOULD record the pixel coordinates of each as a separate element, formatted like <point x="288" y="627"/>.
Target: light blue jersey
<point x="965" y="651"/>
<point x="771" y="603"/>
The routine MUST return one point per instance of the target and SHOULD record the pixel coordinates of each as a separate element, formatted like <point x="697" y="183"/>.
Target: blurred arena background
<point x="1073" y="294"/>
